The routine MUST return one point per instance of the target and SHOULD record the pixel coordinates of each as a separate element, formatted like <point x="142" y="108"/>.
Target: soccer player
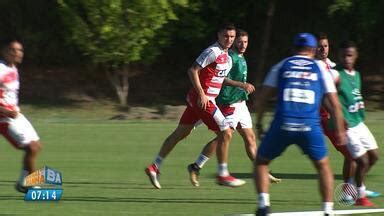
<point x="13" y="125"/>
<point x="232" y="103"/>
<point x="361" y="143"/>
<point x="207" y="75"/>
<point x="301" y="84"/>
<point x="349" y="165"/>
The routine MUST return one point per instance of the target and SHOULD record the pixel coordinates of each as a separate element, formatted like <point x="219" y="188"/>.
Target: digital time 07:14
<point x="43" y="194"/>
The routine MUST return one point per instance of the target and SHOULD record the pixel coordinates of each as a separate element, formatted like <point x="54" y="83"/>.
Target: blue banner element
<point x="40" y="194"/>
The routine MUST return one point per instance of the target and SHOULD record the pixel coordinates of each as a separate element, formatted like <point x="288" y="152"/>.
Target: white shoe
<point x="153" y="174"/>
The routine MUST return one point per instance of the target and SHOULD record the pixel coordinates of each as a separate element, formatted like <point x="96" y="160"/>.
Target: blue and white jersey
<point x="301" y="83"/>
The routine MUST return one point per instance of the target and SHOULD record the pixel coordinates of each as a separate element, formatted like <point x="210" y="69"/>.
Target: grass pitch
<point x="103" y="163"/>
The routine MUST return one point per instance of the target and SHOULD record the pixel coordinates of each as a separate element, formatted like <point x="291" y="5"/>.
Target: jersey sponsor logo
<point x="306" y="83"/>
<point x="356" y="92"/>
<point x="222" y="73"/>
<point x="301" y="67"/>
<point x="356" y="107"/>
<point x="300" y="75"/>
<point x="300" y="62"/>
<point x="299" y="95"/>
<point x="295" y="127"/>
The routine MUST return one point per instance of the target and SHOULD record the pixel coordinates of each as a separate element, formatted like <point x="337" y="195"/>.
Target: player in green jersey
<point x="361" y="143"/>
<point x="232" y="103"/>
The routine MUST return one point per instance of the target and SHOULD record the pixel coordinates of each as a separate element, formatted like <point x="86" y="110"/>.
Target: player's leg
<point x="273" y="144"/>
<point x="216" y="122"/>
<point x="153" y="170"/>
<point x="249" y="139"/>
<point x="194" y="168"/>
<point x="184" y="128"/>
<point x="370" y="144"/>
<point x="224" y="178"/>
<point x="313" y="144"/>
<point x="261" y="179"/>
<point x="21" y="134"/>
<point x="326" y="182"/>
<point x="359" y="152"/>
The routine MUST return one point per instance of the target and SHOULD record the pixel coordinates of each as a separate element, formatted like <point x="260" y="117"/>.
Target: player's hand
<point x="249" y="88"/>
<point x="203" y="102"/>
<point x="260" y="131"/>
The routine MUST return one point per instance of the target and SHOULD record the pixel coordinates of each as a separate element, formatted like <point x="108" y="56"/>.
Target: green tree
<point x="117" y="34"/>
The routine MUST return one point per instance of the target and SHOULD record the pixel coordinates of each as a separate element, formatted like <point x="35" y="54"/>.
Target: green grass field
<point x="103" y="163"/>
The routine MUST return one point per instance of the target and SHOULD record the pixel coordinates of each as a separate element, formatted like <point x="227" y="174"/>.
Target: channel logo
<point x="44" y="185"/>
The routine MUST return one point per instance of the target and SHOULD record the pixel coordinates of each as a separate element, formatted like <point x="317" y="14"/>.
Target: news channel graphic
<point x="44" y="184"/>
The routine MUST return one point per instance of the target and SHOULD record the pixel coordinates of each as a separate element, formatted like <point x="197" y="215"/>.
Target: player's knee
<point x="227" y="134"/>
<point x="34" y="147"/>
<point x="363" y="161"/>
<point x="261" y="161"/>
<point x="373" y="159"/>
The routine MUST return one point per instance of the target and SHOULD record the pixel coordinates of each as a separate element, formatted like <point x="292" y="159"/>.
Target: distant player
<point x="349" y="165"/>
<point x="232" y="103"/>
<point x="207" y="75"/>
<point x="13" y="125"/>
<point x="361" y="143"/>
<point x="301" y="84"/>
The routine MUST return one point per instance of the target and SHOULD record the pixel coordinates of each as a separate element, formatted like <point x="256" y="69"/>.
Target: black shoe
<point x="194" y="172"/>
<point x="263" y="211"/>
<point x="21" y="188"/>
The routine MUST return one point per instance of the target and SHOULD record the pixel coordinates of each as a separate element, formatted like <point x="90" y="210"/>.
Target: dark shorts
<point x="308" y="137"/>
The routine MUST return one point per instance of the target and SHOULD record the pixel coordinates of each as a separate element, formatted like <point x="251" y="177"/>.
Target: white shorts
<point x="360" y="140"/>
<point x="18" y="131"/>
<point x="237" y="115"/>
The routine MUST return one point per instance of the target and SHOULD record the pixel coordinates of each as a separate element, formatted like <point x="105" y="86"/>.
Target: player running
<point x="302" y="83"/>
<point x="232" y="103"/>
<point x="207" y="75"/>
<point x="13" y="125"/>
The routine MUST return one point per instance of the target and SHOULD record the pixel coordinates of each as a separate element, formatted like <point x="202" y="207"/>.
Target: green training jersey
<point x="238" y="72"/>
<point x="351" y="99"/>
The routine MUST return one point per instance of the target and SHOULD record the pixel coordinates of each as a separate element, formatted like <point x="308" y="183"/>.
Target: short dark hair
<point x="241" y="33"/>
<point x="321" y="36"/>
<point x="227" y="26"/>
<point x="5" y="42"/>
<point x="348" y="44"/>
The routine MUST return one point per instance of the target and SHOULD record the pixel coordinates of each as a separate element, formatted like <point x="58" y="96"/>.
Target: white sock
<point x="158" y="160"/>
<point x="223" y="169"/>
<point x="24" y="173"/>
<point x="264" y="200"/>
<point x="201" y="160"/>
<point x="328" y="207"/>
<point x="361" y="191"/>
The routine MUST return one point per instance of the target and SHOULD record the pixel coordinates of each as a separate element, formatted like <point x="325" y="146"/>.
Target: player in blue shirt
<point x="301" y="83"/>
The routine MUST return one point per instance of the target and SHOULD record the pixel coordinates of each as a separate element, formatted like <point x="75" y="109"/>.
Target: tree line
<point x="163" y="37"/>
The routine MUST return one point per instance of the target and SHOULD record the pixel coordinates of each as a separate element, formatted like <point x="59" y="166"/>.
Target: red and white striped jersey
<point x="9" y="87"/>
<point x="216" y="64"/>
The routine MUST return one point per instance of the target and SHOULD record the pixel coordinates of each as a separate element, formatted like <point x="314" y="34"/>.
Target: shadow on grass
<point x="286" y="176"/>
<point x="159" y="200"/>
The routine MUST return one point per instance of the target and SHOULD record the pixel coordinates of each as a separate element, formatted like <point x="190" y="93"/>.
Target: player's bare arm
<point x="8" y="113"/>
<point x="332" y="104"/>
<point x="193" y="73"/>
<point x="249" y="88"/>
